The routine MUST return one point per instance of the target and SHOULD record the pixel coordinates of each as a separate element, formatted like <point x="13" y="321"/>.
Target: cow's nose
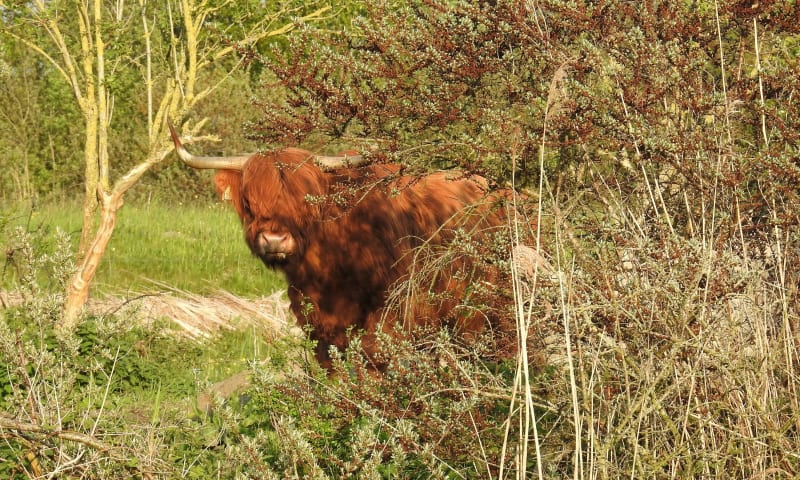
<point x="272" y="242"/>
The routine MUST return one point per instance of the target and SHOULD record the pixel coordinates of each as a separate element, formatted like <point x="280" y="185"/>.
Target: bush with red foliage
<point x="665" y="137"/>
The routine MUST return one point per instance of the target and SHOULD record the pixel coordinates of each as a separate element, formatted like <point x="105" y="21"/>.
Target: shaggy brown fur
<point x="344" y="239"/>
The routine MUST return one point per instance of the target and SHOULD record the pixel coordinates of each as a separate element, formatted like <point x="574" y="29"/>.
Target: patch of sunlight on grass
<point x="197" y="248"/>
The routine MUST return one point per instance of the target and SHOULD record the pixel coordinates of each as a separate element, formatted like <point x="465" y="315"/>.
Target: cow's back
<point x="393" y="236"/>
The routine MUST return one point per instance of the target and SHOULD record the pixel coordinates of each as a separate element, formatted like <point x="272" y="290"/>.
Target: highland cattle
<point x="347" y="233"/>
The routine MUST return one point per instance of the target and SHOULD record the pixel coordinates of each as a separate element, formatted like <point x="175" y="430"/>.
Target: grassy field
<point x="196" y="248"/>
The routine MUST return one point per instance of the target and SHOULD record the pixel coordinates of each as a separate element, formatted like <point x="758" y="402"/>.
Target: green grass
<point x="197" y="248"/>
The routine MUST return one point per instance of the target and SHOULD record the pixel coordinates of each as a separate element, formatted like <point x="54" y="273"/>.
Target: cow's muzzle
<point x="274" y="246"/>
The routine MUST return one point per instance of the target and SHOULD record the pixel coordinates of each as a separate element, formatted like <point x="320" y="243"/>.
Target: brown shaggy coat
<point x="348" y="237"/>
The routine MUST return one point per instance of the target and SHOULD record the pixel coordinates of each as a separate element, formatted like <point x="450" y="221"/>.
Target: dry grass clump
<point x="197" y="316"/>
<point x="677" y="355"/>
<point x="702" y="386"/>
<point x="200" y="316"/>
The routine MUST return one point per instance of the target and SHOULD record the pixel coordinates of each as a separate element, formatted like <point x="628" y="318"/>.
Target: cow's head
<point x="277" y="196"/>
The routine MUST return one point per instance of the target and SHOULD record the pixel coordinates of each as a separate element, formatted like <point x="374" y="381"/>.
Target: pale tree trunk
<point x="87" y="101"/>
<point x="85" y="73"/>
<point x="78" y="288"/>
<point x="110" y="203"/>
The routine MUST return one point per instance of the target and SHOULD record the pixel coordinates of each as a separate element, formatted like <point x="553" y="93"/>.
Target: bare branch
<point x="69" y="435"/>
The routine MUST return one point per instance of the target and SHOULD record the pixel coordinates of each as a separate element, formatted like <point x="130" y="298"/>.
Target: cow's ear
<point x="229" y="187"/>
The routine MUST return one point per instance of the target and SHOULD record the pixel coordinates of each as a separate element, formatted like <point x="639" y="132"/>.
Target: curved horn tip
<point x="175" y="138"/>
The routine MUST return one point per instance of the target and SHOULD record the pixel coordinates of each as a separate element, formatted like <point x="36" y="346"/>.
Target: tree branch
<point x="69" y="435"/>
<point x="272" y="33"/>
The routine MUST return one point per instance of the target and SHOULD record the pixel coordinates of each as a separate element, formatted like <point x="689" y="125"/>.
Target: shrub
<point x="660" y="142"/>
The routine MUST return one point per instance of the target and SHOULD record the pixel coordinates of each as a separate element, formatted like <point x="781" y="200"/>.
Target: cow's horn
<point x="219" y="163"/>
<point x="327" y="163"/>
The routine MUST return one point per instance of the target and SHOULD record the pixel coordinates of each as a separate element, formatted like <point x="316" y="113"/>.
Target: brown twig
<point x="69" y="435"/>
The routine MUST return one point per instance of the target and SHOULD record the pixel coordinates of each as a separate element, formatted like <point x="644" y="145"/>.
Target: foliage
<point x="672" y="360"/>
<point x="438" y="415"/>
<point x="662" y="139"/>
<point x="42" y="127"/>
<point x="107" y="400"/>
<point x="39" y="127"/>
<point x="483" y="85"/>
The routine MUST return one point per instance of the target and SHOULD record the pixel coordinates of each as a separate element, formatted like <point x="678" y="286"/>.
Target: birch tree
<point x="73" y="37"/>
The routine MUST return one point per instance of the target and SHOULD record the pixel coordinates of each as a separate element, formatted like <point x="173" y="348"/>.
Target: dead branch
<point x="69" y="435"/>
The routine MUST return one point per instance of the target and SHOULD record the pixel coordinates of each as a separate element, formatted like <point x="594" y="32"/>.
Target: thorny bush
<point x="664" y="139"/>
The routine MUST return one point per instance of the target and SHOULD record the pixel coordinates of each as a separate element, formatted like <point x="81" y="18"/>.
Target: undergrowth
<point x="647" y="356"/>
